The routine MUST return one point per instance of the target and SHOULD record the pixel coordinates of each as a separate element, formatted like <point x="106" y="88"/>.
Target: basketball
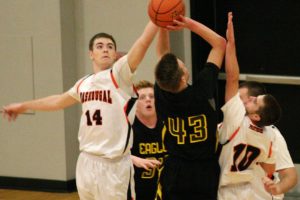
<point x="163" y="12"/>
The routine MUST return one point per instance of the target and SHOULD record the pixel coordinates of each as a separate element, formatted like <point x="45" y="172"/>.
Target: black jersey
<point x="147" y="143"/>
<point x="190" y="118"/>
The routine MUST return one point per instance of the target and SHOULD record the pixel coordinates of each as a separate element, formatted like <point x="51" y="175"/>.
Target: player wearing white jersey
<point x="286" y="174"/>
<point x="244" y="146"/>
<point x="104" y="98"/>
<point x="244" y="138"/>
<point x="104" y="166"/>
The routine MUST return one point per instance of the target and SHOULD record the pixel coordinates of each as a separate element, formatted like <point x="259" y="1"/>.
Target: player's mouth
<point x="148" y="107"/>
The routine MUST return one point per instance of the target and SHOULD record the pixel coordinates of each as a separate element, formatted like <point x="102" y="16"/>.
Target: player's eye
<point x="99" y="46"/>
<point x="142" y="97"/>
<point x="111" y="46"/>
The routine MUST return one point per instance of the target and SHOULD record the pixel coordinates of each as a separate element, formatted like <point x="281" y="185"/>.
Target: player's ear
<point x="91" y="55"/>
<point x="255" y="117"/>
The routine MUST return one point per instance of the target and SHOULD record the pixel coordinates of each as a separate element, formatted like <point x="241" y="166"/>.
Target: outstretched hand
<point x="230" y="29"/>
<point x="11" y="111"/>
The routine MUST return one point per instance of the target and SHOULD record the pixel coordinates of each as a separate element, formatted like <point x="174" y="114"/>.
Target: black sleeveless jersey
<point x="147" y="143"/>
<point x="189" y="117"/>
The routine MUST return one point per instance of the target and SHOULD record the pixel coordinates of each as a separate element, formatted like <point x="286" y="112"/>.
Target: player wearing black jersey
<point x="148" y="150"/>
<point x="191" y="170"/>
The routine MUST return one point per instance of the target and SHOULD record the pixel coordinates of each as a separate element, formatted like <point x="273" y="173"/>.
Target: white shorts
<point x="242" y="191"/>
<point x="100" y="178"/>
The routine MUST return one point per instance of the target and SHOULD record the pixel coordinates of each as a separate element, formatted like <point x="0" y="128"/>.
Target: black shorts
<point x="184" y="179"/>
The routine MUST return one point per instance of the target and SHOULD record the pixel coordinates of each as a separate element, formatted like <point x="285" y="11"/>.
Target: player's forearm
<point x="288" y="179"/>
<point x="163" y="43"/>
<point x="232" y="72"/>
<point x="139" y="48"/>
<point x="50" y="103"/>
<point x="214" y="39"/>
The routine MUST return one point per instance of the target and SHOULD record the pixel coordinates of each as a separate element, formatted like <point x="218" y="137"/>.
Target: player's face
<point x="104" y="53"/>
<point x="254" y="104"/>
<point x="145" y="103"/>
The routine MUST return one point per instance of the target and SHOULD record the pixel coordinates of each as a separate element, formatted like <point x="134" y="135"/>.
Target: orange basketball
<point x="163" y="12"/>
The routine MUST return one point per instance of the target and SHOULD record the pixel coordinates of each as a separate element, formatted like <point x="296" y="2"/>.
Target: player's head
<point x="251" y="88"/>
<point x="145" y="102"/>
<point x="263" y="110"/>
<point x="171" y="74"/>
<point x="102" y="50"/>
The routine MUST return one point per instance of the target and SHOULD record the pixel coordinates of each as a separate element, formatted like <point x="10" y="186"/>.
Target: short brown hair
<point x="101" y="35"/>
<point x="270" y="113"/>
<point x="143" y="84"/>
<point x="168" y="73"/>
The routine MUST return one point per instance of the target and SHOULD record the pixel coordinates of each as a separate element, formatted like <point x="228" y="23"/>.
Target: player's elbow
<point x="220" y="43"/>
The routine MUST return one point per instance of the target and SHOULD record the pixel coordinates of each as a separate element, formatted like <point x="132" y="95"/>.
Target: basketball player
<point x="191" y="170"/>
<point x="284" y="164"/>
<point x="104" y="166"/>
<point x="148" y="150"/>
<point x="245" y="140"/>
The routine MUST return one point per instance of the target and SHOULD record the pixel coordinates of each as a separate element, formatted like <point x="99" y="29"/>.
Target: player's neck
<point x="97" y="68"/>
<point x="150" y="122"/>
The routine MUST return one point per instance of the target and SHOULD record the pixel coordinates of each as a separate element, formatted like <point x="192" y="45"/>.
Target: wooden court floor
<point x="32" y="195"/>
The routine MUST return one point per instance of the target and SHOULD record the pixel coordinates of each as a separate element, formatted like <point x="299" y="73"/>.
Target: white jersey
<point x="107" y="114"/>
<point x="283" y="160"/>
<point x="244" y="145"/>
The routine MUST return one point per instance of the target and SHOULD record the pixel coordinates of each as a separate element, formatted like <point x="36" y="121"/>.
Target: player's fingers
<point x="145" y="166"/>
<point x="156" y="162"/>
<point x="14" y="116"/>
<point x="174" y="27"/>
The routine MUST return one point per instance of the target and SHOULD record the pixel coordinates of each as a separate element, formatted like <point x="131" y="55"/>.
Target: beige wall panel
<point x="17" y="76"/>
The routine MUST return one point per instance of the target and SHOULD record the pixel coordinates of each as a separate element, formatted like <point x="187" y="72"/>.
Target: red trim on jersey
<point x="234" y="133"/>
<point x="255" y="128"/>
<point x="270" y="149"/>
<point x="77" y="90"/>
<point x="113" y="79"/>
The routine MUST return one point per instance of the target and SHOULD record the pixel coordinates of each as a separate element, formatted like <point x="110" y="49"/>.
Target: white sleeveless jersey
<point x="283" y="160"/>
<point x="244" y="144"/>
<point x="107" y="111"/>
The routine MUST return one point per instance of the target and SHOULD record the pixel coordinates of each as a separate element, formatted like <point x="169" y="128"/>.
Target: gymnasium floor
<point x="31" y="195"/>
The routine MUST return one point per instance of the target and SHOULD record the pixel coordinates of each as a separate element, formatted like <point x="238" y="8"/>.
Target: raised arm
<point x="216" y="41"/>
<point x="139" y="48"/>
<point x="231" y="63"/>
<point x="50" y="103"/>
<point x="163" y="43"/>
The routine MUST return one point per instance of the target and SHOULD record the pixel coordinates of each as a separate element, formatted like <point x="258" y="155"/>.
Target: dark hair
<point x="254" y="88"/>
<point x="270" y="113"/>
<point x="101" y="35"/>
<point x="168" y="73"/>
<point x="143" y="84"/>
